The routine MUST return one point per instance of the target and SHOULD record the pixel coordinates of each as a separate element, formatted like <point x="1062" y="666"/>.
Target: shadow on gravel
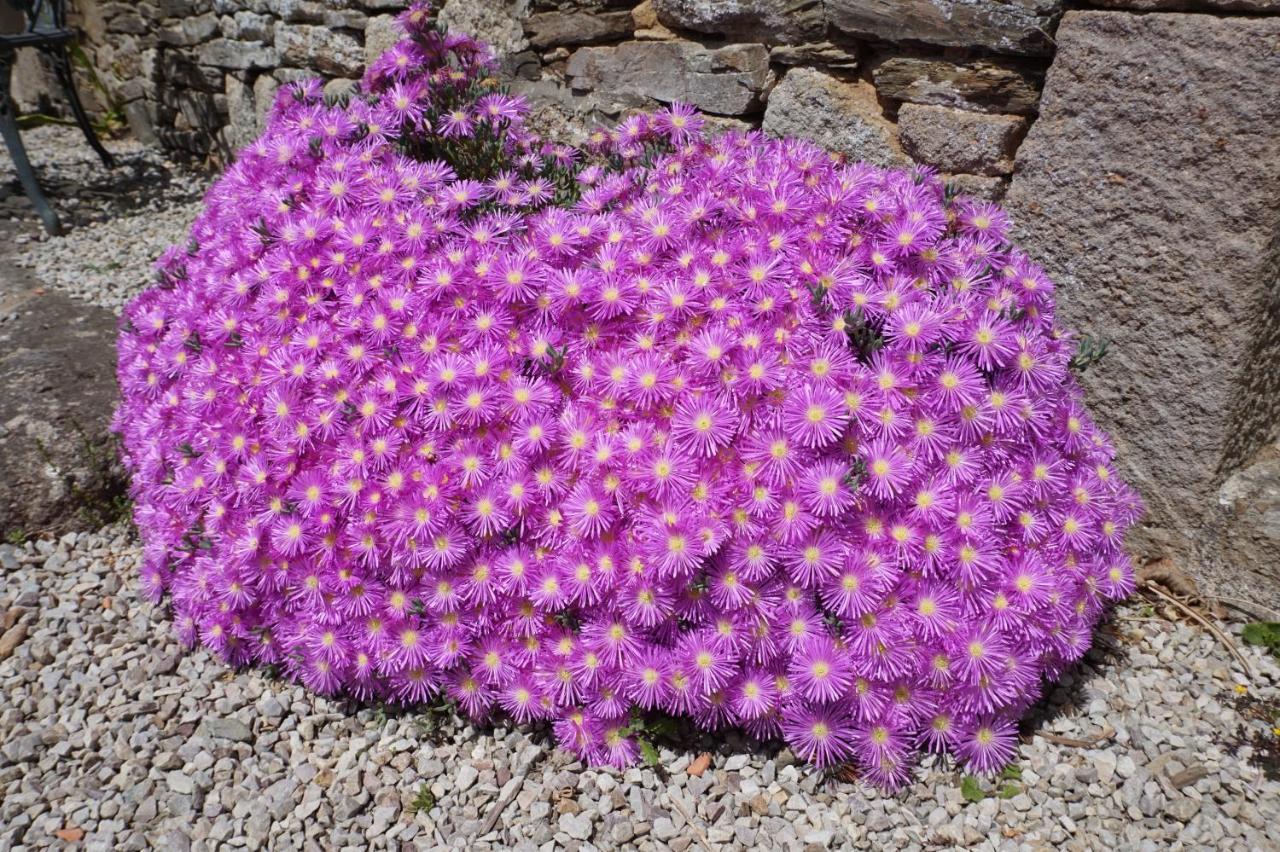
<point x="84" y="192"/>
<point x="439" y="721"/>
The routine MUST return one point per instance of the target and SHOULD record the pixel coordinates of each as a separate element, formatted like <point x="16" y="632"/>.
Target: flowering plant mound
<point x="714" y="427"/>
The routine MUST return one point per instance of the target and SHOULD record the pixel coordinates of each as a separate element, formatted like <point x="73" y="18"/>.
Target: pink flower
<point x="715" y="427"/>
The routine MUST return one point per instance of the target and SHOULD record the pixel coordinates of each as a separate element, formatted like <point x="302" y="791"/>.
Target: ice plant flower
<point x="707" y="425"/>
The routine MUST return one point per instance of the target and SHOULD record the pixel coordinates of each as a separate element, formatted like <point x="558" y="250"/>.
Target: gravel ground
<point x="120" y="220"/>
<point x="115" y="735"/>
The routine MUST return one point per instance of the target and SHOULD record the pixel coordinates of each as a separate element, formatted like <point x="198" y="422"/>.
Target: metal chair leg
<point x="13" y="141"/>
<point x="62" y="66"/>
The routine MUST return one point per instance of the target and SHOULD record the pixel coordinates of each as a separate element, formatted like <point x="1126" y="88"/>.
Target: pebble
<point x="466" y="777"/>
<point x="1106" y="764"/>
<point x="110" y="726"/>
<point x="228" y="729"/>
<point x="664" y="828"/>
<point x="577" y="826"/>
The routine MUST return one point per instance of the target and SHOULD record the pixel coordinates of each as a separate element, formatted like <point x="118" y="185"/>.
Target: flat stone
<point x="57" y="394"/>
<point x="1148" y="189"/>
<point x="250" y="26"/>
<point x="578" y="27"/>
<point x="238" y="55"/>
<point x="956" y="140"/>
<point x="729" y="80"/>
<point x="768" y="21"/>
<point x="1021" y="27"/>
<point x="646" y="25"/>
<point x="979" y="186"/>
<point x="1256" y="6"/>
<point x="986" y="85"/>
<point x="1250" y="504"/>
<point x="228" y="729"/>
<point x="840" y="115"/>
<point x="664" y="828"/>
<point x="622" y="831"/>
<point x="180" y="782"/>
<point x="242" y="125"/>
<point x="824" y="53"/>
<point x="1189" y="776"/>
<point x="11" y="639"/>
<point x="320" y="48"/>
<point x="297" y="11"/>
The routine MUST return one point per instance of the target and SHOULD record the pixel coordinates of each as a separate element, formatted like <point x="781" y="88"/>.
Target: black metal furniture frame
<point x="46" y="30"/>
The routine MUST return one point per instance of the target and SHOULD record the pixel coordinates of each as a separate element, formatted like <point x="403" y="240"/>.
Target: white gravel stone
<point x="109" y="726"/>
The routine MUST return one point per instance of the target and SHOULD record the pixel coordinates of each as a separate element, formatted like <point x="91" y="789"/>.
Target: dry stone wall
<point x="1138" y="145"/>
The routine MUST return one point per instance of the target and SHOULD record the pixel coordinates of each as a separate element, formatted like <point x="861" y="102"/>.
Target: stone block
<point x="840" y="115"/>
<point x="498" y="23"/>
<point x="328" y="51"/>
<point x="240" y="55"/>
<point x="578" y="27"/>
<point x="956" y="140"/>
<point x="1149" y="188"/>
<point x="729" y="80"/>
<point x="768" y="21"/>
<point x="57" y="393"/>
<point x="381" y="33"/>
<point x="1022" y="27"/>
<point x="984" y="85"/>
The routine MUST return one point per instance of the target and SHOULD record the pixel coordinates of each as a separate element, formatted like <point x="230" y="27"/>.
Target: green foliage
<point x="971" y="787"/>
<point x="433" y="718"/>
<point x="425" y="800"/>
<point x="1265" y="634"/>
<point x="113" y="118"/>
<point x="646" y="729"/>
<point x="1089" y="351"/>
<point x="864" y="339"/>
<point x="648" y="751"/>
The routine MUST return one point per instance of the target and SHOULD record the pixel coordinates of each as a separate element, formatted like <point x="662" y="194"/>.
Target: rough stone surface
<point x="326" y="50"/>
<point x="242" y="127"/>
<point x="1250" y="501"/>
<point x="646" y="24"/>
<point x="58" y="464"/>
<point x="979" y="186"/>
<point x="1258" y="6"/>
<point x="729" y="80"/>
<point x="837" y="114"/>
<point x="769" y="21"/>
<point x="825" y="54"/>
<point x="981" y="84"/>
<point x="495" y="22"/>
<point x="1004" y="26"/>
<point x="380" y="33"/>
<point x="1150" y="189"/>
<point x="569" y="29"/>
<point x="959" y="141"/>
<point x="239" y="55"/>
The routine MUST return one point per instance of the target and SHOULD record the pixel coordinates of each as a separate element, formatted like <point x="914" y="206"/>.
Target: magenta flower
<point x="719" y="427"/>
